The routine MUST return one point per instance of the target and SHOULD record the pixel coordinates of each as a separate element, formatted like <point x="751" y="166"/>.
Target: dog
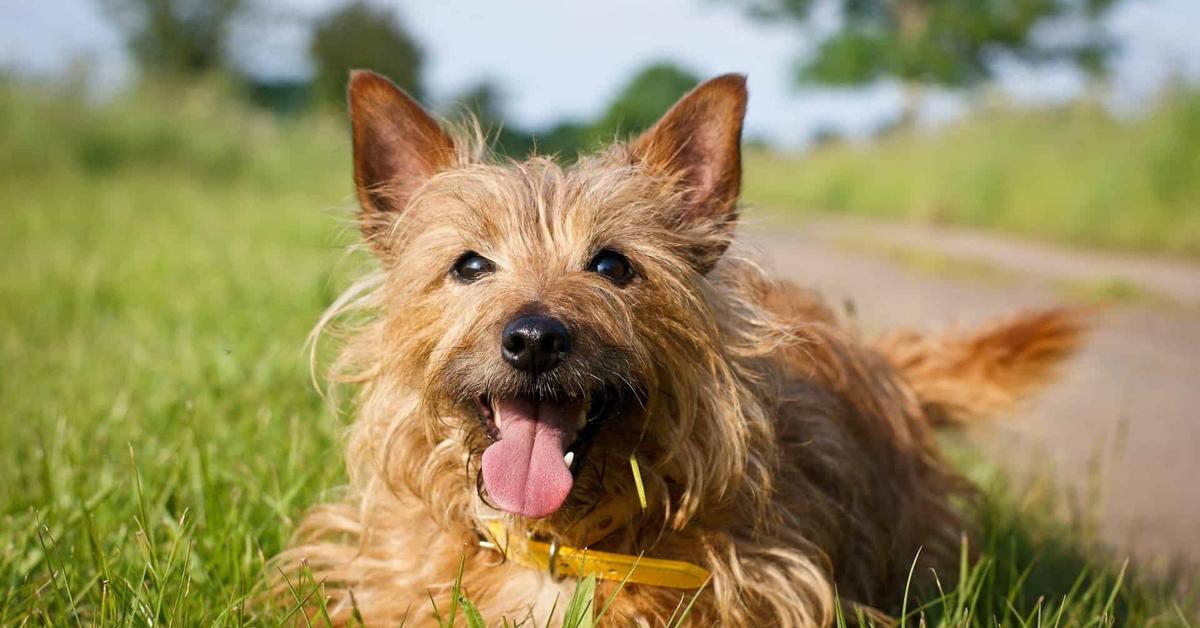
<point x="571" y="371"/>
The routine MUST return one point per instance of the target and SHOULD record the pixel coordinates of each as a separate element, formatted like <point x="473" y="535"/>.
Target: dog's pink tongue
<point x="524" y="471"/>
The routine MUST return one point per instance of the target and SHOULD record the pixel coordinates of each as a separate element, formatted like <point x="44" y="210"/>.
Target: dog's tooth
<point x="496" y="416"/>
<point x="569" y="458"/>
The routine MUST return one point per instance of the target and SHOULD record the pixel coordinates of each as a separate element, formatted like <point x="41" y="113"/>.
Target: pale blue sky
<point x="559" y="58"/>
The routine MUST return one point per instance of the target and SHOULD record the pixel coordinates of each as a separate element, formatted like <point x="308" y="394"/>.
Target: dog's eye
<point x="613" y="265"/>
<point x="471" y="267"/>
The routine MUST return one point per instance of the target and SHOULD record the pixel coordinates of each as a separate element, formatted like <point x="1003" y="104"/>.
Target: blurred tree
<point x="176" y="36"/>
<point x="645" y="98"/>
<point x="282" y="96"/>
<point x="827" y="135"/>
<point x="359" y="35"/>
<point x="943" y="42"/>
<point x="485" y="101"/>
<point x="639" y="104"/>
<point x="567" y="138"/>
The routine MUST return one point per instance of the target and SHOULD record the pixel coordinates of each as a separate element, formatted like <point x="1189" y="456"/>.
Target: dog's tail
<point x="959" y="377"/>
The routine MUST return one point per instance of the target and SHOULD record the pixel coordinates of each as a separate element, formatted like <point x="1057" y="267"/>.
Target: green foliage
<point x="164" y="257"/>
<point x="176" y="36"/>
<point x="361" y="35"/>
<point x="580" y="612"/>
<point x="160" y="438"/>
<point x="1033" y="568"/>
<point x="282" y="96"/>
<point x="947" y="42"/>
<point x="647" y="96"/>
<point x="484" y="101"/>
<point x="567" y="139"/>
<point x="1073" y="174"/>
<point x="851" y="57"/>
<point x="637" y="106"/>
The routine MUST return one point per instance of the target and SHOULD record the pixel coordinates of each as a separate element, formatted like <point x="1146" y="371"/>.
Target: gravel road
<point x="1121" y="430"/>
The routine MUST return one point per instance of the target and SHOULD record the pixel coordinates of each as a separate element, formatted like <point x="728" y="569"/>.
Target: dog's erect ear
<point x="700" y="141"/>
<point x="397" y="148"/>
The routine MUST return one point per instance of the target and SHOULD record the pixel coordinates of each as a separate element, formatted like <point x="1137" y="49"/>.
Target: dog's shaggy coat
<point x="781" y="452"/>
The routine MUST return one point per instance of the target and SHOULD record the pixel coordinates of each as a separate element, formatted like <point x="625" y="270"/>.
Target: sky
<point x="535" y="50"/>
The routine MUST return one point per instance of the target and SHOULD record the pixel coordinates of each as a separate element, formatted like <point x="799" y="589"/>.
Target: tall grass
<point x="163" y="257"/>
<point x="1072" y="174"/>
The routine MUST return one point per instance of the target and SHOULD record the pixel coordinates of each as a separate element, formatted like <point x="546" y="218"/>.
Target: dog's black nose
<point x="535" y="343"/>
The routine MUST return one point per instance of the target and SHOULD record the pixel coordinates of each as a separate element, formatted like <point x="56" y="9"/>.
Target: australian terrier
<point x="575" y="371"/>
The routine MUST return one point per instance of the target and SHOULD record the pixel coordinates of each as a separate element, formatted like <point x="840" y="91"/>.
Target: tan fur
<point x="964" y="376"/>
<point x="777" y="449"/>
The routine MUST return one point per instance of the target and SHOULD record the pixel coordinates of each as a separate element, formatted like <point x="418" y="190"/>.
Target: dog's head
<point x="556" y="321"/>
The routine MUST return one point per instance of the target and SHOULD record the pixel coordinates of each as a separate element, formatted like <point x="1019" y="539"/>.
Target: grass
<point x="1073" y="175"/>
<point x="1100" y="290"/>
<point x="929" y="262"/>
<point x="159" y="433"/>
<point x="164" y="257"/>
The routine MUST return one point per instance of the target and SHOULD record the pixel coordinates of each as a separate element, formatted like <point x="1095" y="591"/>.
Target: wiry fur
<point x="963" y="376"/>
<point x="778" y="450"/>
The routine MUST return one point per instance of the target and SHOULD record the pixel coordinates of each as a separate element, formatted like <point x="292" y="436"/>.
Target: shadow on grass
<point x="1036" y="567"/>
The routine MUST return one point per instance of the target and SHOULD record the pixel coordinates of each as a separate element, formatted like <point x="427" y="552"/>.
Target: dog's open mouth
<point x="538" y="442"/>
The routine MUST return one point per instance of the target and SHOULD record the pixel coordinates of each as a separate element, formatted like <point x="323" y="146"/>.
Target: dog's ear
<point x="397" y="148"/>
<point x="699" y="143"/>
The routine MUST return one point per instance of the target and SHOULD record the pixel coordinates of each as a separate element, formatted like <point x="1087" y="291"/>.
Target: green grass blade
<point x="579" y="611"/>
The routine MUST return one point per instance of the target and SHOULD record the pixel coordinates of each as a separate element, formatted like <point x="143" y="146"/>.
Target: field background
<point x="166" y="253"/>
<point x="1072" y="174"/>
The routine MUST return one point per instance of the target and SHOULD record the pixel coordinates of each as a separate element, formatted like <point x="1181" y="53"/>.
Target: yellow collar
<point x="562" y="561"/>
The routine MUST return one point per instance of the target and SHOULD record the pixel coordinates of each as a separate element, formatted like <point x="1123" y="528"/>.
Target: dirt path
<point x="1123" y="423"/>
